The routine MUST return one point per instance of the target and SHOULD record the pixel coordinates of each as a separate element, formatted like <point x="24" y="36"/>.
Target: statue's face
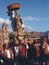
<point x="13" y="13"/>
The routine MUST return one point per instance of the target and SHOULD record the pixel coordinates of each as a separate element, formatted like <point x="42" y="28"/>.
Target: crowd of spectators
<point x="25" y="52"/>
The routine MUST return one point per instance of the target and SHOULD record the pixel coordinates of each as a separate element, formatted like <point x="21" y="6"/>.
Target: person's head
<point x="26" y="42"/>
<point x="22" y="41"/>
<point x="31" y="40"/>
<point x="6" y="46"/>
<point x="45" y="39"/>
<point x="16" y="41"/>
<point x="36" y="41"/>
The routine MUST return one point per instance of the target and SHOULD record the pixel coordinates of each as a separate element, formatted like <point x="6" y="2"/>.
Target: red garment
<point x="22" y="50"/>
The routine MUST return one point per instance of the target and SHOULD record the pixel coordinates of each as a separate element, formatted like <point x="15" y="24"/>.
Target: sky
<point x="34" y="13"/>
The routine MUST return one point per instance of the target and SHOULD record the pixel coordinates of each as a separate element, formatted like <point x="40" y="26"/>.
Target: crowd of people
<point x="25" y="52"/>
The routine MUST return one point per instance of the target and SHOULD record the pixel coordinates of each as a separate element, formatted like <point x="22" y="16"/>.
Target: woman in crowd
<point x="8" y="54"/>
<point x="46" y="50"/>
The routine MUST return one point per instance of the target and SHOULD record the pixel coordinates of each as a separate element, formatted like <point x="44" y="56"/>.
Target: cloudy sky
<point x="34" y="13"/>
